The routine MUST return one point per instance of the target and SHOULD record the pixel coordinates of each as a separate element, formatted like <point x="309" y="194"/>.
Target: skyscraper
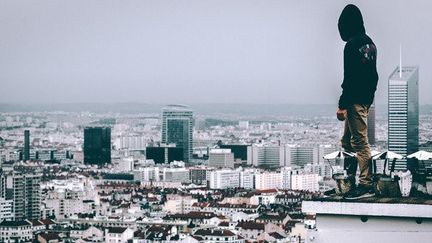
<point x="26" y="145"/>
<point x="403" y="112"/>
<point x="97" y="145"/>
<point x="177" y="125"/>
<point x="371" y="125"/>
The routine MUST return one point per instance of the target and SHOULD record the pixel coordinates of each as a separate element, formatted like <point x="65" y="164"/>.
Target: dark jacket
<point x="360" y="55"/>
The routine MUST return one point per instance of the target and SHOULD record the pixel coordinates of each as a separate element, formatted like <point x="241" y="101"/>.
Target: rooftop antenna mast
<point x="400" y="60"/>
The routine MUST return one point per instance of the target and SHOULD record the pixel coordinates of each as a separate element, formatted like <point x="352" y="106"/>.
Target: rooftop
<point x="374" y="206"/>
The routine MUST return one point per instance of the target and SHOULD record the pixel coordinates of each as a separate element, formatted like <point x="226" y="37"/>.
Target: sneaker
<point x="330" y="193"/>
<point x="360" y="192"/>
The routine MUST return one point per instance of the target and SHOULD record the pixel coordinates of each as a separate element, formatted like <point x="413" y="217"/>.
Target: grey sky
<point x="198" y="51"/>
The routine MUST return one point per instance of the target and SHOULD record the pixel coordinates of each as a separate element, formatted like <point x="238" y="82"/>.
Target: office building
<point x="26" y="154"/>
<point x="300" y="155"/>
<point x="221" y="158"/>
<point x="97" y="145"/>
<point x="403" y="112"/>
<point x="267" y="156"/>
<point x="177" y="128"/>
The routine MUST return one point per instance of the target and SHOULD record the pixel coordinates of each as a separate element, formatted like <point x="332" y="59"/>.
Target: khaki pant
<point x="355" y="139"/>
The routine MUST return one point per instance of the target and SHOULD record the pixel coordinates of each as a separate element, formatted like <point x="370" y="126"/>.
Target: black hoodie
<point x="360" y="54"/>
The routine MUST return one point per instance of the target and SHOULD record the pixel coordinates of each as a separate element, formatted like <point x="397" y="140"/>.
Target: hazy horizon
<point x="215" y="51"/>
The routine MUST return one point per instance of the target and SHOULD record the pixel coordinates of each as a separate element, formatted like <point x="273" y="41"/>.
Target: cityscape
<point x="193" y="171"/>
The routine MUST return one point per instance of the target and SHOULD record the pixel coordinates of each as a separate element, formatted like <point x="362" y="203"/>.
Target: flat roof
<point x="375" y="206"/>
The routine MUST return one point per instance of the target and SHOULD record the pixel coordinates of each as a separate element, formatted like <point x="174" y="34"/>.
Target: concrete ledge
<point x="368" y="209"/>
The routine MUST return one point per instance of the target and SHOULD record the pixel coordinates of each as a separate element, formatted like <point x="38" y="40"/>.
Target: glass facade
<point x="97" y="145"/>
<point x="403" y="113"/>
<point x="177" y="128"/>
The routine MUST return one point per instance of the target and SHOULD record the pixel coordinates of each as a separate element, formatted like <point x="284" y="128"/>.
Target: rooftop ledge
<point x="413" y="207"/>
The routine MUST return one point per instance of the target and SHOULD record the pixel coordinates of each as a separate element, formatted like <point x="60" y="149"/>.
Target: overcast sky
<point x="198" y="51"/>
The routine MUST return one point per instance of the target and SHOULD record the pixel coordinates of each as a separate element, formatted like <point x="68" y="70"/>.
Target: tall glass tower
<point x="97" y="145"/>
<point x="403" y="112"/>
<point x="177" y="128"/>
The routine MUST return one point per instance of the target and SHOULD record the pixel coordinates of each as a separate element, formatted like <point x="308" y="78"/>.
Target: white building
<point x="247" y="178"/>
<point x="144" y="174"/>
<point x="268" y="180"/>
<point x="221" y="158"/>
<point x="178" y="204"/>
<point x="118" y="235"/>
<point x="6" y="209"/>
<point x="16" y="231"/>
<point x="267" y="156"/>
<point x="180" y="174"/>
<point x="308" y="182"/>
<point x="370" y="221"/>
<point x="225" y="178"/>
<point x="286" y="177"/>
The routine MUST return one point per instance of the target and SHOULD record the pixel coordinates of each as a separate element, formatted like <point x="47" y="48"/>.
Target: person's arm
<point x="348" y="82"/>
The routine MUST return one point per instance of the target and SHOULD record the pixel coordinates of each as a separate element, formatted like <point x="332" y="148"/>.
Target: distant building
<point x="16" y="231"/>
<point x="177" y="128"/>
<point x="6" y="212"/>
<point x="240" y="151"/>
<point x="118" y="234"/>
<point x="268" y="180"/>
<point x="175" y="175"/>
<point x="221" y="158"/>
<point x="225" y="178"/>
<point x="247" y="179"/>
<point x="164" y="154"/>
<point x="26" y="154"/>
<point x="97" y="145"/>
<point x="25" y="191"/>
<point x="371" y="125"/>
<point x="403" y="112"/>
<point x="305" y="181"/>
<point x="267" y="156"/>
<point x="243" y="125"/>
<point x="300" y="155"/>
<point x="146" y="174"/>
<point x="198" y="175"/>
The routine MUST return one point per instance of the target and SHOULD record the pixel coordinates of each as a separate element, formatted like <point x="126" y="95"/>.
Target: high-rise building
<point x="221" y="158"/>
<point x="403" y="112"/>
<point x="97" y="145"/>
<point x="177" y="128"/>
<point x="371" y="125"/>
<point x="25" y="191"/>
<point x="26" y="145"/>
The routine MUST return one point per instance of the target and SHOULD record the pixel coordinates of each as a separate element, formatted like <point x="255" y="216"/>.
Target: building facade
<point x="177" y="128"/>
<point x="403" y="112"/>
<point x="97" y="145"/>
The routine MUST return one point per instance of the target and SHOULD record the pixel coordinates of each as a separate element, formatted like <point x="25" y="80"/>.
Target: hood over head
<point x="350" y="22"/>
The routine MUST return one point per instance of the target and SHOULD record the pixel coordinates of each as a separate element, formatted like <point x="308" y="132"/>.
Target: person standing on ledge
<point x="359" y="86"/>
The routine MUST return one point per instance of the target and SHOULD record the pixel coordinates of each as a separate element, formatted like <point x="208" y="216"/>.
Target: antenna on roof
<point x="400" y="60"/>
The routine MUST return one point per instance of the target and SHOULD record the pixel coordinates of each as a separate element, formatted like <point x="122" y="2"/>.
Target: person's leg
<point x="350" y="164"/>
<point x="357" y="117"/>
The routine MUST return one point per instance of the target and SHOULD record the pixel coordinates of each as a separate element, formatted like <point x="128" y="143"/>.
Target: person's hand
<point x="341" y="114"/>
